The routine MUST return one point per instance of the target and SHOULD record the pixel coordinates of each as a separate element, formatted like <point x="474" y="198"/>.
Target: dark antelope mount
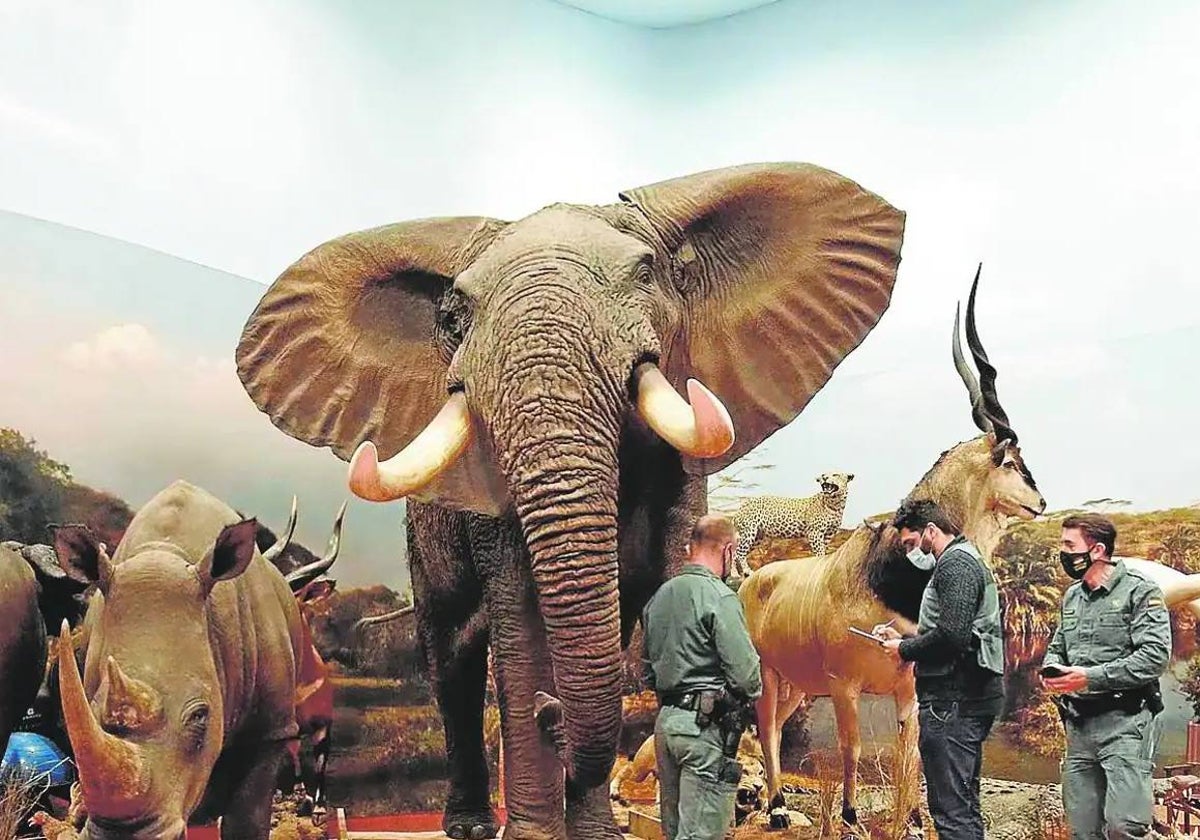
<point x="521" y="381"/>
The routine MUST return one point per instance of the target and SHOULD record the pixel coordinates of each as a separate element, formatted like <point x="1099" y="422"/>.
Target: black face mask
<point x="1075" y="564"/>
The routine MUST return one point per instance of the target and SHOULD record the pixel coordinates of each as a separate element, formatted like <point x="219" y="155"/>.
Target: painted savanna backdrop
<point x="118" y="378"/>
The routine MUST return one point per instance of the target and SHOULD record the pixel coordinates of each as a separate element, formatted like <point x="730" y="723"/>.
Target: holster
<point x="735" y="716"/>
<point x="707" y="702"/>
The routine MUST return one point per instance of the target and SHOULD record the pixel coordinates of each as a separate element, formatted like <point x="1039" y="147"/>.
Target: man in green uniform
<point x="1103" y="664"/>
<point x="701" y="662"/>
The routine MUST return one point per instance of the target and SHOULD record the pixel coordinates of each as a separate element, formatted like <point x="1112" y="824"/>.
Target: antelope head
<point x="1002" y="482"/>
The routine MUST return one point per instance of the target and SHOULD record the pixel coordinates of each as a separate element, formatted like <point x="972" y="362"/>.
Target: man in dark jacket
<point x="959" y="655"/>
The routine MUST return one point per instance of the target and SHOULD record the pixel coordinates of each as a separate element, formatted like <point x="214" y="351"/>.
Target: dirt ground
<point x="1012" y="811"/>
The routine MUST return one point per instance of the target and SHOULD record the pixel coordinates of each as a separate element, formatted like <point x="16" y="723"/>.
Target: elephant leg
<point x="247" y="814"/>
<point x="533" y="775"/>
<point x="448" y="599"/>
<point x="589" y="814"/>
<point x="845" y="710"/>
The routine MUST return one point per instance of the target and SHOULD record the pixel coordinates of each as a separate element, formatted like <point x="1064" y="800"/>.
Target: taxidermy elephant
<point x="189" y="676"/>
<point x="521" y="380"/>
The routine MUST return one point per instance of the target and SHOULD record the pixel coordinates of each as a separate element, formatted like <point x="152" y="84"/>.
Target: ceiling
<point x="663" y="14"/>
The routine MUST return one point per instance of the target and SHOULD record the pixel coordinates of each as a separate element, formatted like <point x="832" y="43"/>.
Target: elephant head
<point x="501" y="366"/>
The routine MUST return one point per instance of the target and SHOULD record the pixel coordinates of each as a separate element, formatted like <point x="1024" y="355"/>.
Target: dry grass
<point x="18" y="794"/>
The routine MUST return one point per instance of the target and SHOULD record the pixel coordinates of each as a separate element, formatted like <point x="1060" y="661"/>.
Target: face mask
<point x="923" y="560"/>
<point x="1075" y="564"/>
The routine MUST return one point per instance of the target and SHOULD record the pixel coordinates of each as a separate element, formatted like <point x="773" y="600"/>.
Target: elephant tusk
<point x="424" y="459"/>
<point x="702" y="429"/>
<point x="111" y="771"/>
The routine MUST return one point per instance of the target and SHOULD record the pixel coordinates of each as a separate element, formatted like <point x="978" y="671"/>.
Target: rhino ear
<point x="345" y="347"/>
<point x="81" y="555"/>
<point x="230" y="555"/>
<point x="779" y="271"/>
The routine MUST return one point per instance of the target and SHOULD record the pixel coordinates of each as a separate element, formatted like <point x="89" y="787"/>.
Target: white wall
<point x="240" y="133"/>
<point x="1053" y="142"/>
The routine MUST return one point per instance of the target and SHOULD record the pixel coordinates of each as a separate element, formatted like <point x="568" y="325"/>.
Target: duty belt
<point x="1132" y="701"/>
<point x="685" y="700"/>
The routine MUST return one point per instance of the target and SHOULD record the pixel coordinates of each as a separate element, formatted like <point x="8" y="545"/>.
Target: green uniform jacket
<point x="696" y="637"/>
<point x="1120" y="632"/>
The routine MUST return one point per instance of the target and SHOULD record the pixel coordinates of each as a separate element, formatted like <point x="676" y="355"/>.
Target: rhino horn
<point x="112" y="773"/>
<point x="129" y="704"/>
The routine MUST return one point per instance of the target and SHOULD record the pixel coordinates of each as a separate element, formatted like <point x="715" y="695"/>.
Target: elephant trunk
<point x="574" y="558"/>
<point x="559" y="450"/>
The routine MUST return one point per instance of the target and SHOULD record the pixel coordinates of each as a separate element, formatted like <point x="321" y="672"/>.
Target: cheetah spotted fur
<point x="816" y="518"/>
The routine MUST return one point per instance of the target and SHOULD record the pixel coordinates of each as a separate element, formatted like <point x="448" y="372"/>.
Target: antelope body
<point x="314" y="691"/>
<point x="799" y="611"/>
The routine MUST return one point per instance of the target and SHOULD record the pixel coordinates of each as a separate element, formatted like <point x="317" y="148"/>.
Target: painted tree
<point x="32" y="488"/>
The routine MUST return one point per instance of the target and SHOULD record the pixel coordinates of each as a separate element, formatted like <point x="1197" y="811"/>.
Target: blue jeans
<point x="951" y="749"/>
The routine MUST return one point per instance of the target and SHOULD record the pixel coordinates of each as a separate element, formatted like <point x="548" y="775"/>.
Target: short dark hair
<point x="1095" y="529"/>
<point x="915" y="514"/>
<point x="713" y="530"/>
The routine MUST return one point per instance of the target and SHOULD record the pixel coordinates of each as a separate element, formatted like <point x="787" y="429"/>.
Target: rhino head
<point x="147" y="718"/>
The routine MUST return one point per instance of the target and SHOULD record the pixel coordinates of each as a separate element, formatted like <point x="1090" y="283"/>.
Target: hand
<point x="886" y="631"/>
<point x="1075" y="680"/>
<point x="892" y="648"/>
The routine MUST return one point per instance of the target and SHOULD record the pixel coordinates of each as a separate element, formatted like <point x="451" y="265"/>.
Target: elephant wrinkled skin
<point x="522" y="382"/>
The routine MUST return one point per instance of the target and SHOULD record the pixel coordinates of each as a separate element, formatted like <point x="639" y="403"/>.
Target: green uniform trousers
<point x="697" y="784"/>
<point x="1106" y="775"/>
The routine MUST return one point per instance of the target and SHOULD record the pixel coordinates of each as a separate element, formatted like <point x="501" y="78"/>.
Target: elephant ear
<point x="342" y="348"/>
<point x="783" y="269"/>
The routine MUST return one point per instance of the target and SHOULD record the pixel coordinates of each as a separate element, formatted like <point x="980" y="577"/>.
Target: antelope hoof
<point x="849" y="815"/>
<point x="777" y="818"/>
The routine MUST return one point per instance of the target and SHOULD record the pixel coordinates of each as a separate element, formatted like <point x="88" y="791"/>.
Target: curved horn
<point x="112" y="774"/>
<point x="987" y="374"/>
<point x="968" y="378"/>
<point x="382" y="619"/>
<point x="702" y="429"/>
<point x="299" y="578"/>
<point x="437" y="447"/>
<point x="272" y="553"/>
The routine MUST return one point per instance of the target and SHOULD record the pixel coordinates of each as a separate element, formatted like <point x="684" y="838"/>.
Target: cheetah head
<point x="834" y="484"/>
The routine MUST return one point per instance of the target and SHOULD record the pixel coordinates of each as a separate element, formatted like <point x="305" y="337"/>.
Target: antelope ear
<point x="999" y="451"/>
<point x="342" y="348"/>
<point x="780" y="271"/>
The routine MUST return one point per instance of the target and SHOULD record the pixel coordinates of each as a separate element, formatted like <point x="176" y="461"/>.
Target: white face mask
<point x="923" y="560"/>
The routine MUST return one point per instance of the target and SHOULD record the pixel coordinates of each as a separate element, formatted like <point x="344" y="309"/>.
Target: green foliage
<point x="32" y="488"/>
<point x="1190" y="686"/>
